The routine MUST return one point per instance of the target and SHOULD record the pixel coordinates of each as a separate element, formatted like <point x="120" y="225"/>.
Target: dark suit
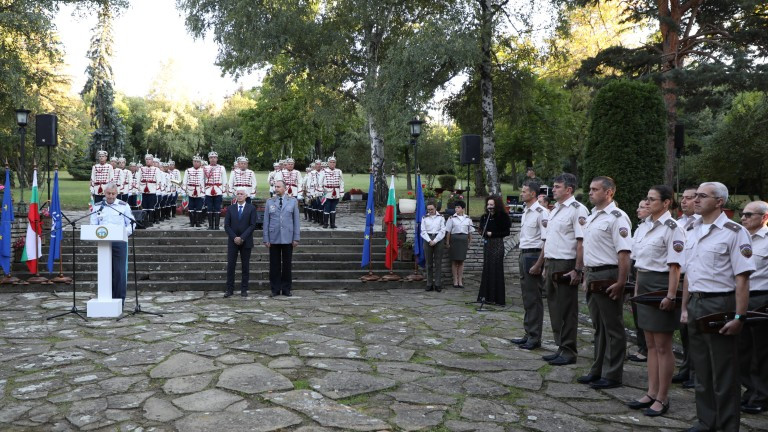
<point x="239" y="226"/>
<point x="281" y="229"/>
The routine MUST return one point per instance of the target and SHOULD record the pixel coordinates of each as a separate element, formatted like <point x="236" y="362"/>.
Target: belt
<point x="560" y="259"/>
<point x="99" y="183"/>
<point x="213" y="184"/>
<point x="530" y="250"/>
<point x="148" y="181"/>
<point x="758" y="293"/>
<point x="243" y="184"/>
<point x="600" y="268"/>
<point x="703" y="295"/>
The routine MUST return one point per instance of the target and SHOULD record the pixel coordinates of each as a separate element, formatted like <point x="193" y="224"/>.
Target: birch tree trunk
<point x="486" y="91"/>
<point x="377" y="160"/>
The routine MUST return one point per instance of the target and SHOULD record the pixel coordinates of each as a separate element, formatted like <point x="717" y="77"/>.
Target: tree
<point x="626" y="139"/>
<point x="699" y="43"/>
<point x="109" y="133"/>
<point x="739" y="141"/>
<point x="352" y="47"/>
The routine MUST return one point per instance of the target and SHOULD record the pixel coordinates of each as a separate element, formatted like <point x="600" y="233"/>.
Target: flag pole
<point x="370" y="277"/>
<point x="416" y="276"/>
<point x="61" y="278"/>
<point x="392" y="277"/>
<point x="36" y="278"/>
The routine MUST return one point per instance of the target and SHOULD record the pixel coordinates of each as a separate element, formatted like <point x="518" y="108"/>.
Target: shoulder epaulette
<point x="539" y="209"/>
<point x="576" y="204"/>
<point x="732" y="226"/>
<point x="670" y="223"/>
<point x="616" y="213"/>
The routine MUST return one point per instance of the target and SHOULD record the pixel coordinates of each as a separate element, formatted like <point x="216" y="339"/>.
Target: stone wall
<point x="474" y="264"/>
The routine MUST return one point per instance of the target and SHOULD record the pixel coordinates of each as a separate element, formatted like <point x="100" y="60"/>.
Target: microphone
<point x="101" y="208"/>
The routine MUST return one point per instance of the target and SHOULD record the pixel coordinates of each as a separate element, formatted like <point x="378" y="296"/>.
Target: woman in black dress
<point x="494" y="226"/>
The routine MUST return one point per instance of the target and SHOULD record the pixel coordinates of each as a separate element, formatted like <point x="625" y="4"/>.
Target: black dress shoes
<point x="550" y="357"/>
<point x="752" y="409"/>
<point x="520" y="341"/>
<point x="562" y="361"/>
<point x="430" y="288"/>
<point x="640" y="405"/>
<point x="287" y="294"/>
<point x="587" y="379"/>
<point x="689" y="384"/>
<point x="530" y="346"/>
<point x="228" y="294"/>
<point x="438" y="289"/>
<point x="679" y="378"/>
<point x="604" y="383"/>
<point x="650" y="412"/>
<point x="244" y="293"/>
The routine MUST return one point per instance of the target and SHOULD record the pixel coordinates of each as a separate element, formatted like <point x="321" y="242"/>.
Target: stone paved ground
<point x="319" y="361"/>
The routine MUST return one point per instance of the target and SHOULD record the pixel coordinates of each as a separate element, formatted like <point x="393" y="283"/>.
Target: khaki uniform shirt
<point x="564" y="228"/>
<point x="714" y="255"/>
<point x="532" y="226"/>
<point x="658" y="244"/>
<point x="606" y="233"/>
<point x="758" y="281"/>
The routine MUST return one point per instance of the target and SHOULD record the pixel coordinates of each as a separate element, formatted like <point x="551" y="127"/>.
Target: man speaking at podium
<point x="109" y="213"/>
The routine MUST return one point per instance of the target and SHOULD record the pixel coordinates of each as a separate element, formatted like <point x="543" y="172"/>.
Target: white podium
<point x="104" y="306"/>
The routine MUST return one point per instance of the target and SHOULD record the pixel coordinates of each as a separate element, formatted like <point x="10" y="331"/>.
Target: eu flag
<point x="56" y="230"/>
<point x="421" y="210"/>
<point x="370" y="220"/>
<point x="5" y="225"/>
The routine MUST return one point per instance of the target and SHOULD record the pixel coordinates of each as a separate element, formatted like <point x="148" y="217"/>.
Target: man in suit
<point x="281" y="235"/>
<point x="239" y="223"/>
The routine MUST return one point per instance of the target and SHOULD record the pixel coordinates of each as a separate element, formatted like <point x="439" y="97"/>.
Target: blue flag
<point x="421" y="210"/>
<point x="56" y="232"/>
<point x="370" y="220"/>
<point x="5" y="225"/>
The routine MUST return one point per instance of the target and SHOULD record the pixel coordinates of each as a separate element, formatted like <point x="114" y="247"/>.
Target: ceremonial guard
<point x="332" y="181"/>
<point x="162" y="189"/>
<point x="532" y="225"/>
<point x="148" y="176"/>
<point x="242" y="177"/>
<point x="194" y="188"/>
<point x="563" y="267"/>
<point x="753" y="346"/>
<point x="101" y="174"/>
<point x="717" y="268"/>
<point x="215" y="181"/>
<point x="607" y="245"/>
<point x="174" y="176"/>
<point x="306" y="187"/>
<point x="131" y="184"/>
<point x="272" y="177"/>
<point x="317" y="192"/>
<point x="118" y="176"/>
<point x="292" y="178"/>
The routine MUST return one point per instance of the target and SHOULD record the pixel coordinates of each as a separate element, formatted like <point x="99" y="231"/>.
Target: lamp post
<point x="415" y="125"/>
<point x="22" y="117"/>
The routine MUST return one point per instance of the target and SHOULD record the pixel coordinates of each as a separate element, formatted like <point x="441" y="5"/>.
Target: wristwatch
<point x="741" y="318"/>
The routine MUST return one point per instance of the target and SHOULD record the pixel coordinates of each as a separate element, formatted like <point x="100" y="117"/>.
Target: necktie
<point x="281" y="203"/>
<point x="239" y="211"/>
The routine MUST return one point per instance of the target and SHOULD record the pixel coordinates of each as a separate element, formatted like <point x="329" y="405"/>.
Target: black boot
<point x="326" y="217"/>
<point x="173" y="211"/>
<point x="210" y="220"/>
<point x="306" y="217"/>
<point x="198" y="218"/>
<point x="158" y="216"/>
<point x="333" y="220"/>
<point x="216" y="220"/>
<point x="192" y="219"/>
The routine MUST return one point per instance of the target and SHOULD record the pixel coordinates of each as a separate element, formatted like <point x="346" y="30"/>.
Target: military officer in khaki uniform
<point x="717" y="268"/>
<point x="532" y="226"/>
<point x="607" y="245"/>
<point x="564" y="261"/>
<point x="753" y="346"/>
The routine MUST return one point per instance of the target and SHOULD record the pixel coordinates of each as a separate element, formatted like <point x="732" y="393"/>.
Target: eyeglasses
<point x="651" y="199"/>
<point x="702" y="196"/>
<point x="750" y="214"/>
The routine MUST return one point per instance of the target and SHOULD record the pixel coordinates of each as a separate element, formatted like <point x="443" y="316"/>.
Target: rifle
<point x="712" y="323"/>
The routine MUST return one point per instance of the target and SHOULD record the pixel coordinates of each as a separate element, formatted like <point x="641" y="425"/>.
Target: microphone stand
<point x="137" y="308"/>
<point x="74" y="309"/>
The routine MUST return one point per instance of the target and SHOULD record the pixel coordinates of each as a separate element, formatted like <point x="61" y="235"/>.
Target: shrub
<point x="447" y="181"/>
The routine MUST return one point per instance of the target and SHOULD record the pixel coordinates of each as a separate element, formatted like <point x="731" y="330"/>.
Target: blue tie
<point x="239" y="211"/>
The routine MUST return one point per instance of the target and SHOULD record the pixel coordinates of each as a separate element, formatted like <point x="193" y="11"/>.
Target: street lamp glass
<point x="415" y="127"/>
<point x="22" y="116"/>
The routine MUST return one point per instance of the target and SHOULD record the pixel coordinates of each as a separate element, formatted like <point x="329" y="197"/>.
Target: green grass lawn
<point x="74" y="194"/>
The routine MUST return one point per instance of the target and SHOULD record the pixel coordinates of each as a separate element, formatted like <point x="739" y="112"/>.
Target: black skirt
<point x="492" y="287"/>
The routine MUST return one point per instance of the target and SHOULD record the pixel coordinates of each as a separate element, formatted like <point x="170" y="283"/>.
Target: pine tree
<point x="109" y="132"/>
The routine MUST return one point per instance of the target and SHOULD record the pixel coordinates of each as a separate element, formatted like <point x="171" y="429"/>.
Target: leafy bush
<point x="447" y="181"/>
<point x="626" y="140"/>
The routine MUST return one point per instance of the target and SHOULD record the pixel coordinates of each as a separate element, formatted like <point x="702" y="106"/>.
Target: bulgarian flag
<point x="32" y="245"/>
<point x="390" y="219"/>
